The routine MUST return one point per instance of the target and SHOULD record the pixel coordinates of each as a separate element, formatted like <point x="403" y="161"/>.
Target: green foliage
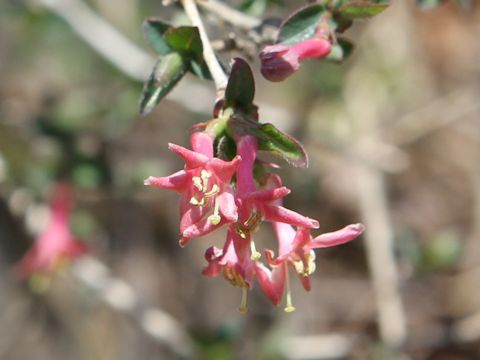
<point x="180" y="50"/>
<point x="302" y="25"/>
<point x="165" y="75"/>
<point x="341" y="50"/>
<point x="241" y="87"/>
<point x="277" y="143"/>
<point x="361" y="9"/>
<point x="154" y="30"/>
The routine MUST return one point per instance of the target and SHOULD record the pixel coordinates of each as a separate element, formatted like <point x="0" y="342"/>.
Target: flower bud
<point x="280" y="61"/>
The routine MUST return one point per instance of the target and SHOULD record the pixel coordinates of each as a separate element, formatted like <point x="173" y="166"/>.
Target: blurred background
<point x="393" y="136"/>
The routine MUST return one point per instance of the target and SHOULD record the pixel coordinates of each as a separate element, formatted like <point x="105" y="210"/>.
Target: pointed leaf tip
<point x="166" y="73"/>
<point x="240" y="89"/>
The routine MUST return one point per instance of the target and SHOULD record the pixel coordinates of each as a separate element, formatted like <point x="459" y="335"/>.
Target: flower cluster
<point x="219" y="193"/>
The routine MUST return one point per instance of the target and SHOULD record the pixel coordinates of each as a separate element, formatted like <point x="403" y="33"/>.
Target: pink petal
<point x="200" y="228"/>
<point x="268" y="195"/>
<point x="272" y="282"/>
<point x="312" y="48"/>
<point x="202" y="143"/>
<point x="192" y="159"/>
<point x="285" y="234"/>
<point x="302" y="238"/>
<point x="224" y="170"/>
<point x="284" y="215"/>
<point x="342" y="236"/>
<point x="247" y="149"/>
<point x="227" y="206"/>
<point x="176" y="181"/>
<point x="305" y="280"/>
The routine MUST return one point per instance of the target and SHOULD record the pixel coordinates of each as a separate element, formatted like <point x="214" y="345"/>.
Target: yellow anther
<point x="255" y="255"/>
<point x="309" y="269"/>
<point x="197" y="182"/>
<point x="215" y="189"/>
<point x="194" y="201"/>
<point x="215" y="217"/>
<point x="205" y="175"/>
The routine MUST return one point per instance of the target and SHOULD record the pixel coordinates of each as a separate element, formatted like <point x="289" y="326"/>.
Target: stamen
<point x="194" y="201"/>
<point x="197" y="182"/>
<point x="289" y="306"/>
<point x="215" y="189"/>
<point x="255" y="255"/>
<point x="205" y="175"/>
<point x="244" y="304"/>
<point x="215" y="217"/>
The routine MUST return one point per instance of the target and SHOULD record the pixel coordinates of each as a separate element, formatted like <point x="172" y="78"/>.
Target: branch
<point x="103" y="37"/>
<point x="230" y="15"/>
<point x="218" y="75"/>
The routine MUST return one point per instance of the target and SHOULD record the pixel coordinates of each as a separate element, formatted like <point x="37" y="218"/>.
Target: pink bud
<point x="280" y="61"/>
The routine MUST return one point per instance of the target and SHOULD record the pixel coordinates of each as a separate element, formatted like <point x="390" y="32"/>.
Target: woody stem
<point x="218" y="75"/>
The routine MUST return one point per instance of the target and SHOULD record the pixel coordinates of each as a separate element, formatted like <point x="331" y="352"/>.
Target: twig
<point x="381" y="259"/>
<point x="103" y="37"/>
<point x="230" y="15"/>
<point x="218" y="75"/>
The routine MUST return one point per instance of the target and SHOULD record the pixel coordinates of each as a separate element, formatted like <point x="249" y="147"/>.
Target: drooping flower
<point x="207" y="199"/>
<point x="234" y="262"/>
<point x="296" y="248"/>
<point x="280" y="61"/>
<point x="56" y="244"/>
<point x="255" y="206"/>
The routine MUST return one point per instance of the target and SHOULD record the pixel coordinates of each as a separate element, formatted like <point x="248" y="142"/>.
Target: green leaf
<point x="341" y="50"/>
<point x="361" y="9"/>
<point x="154" y="30"/>
<point x="427" y="4"/>
<point x="273" y="141"/>
<point x="302" y="25"/>
<point x="200" y="69"/>
<point x="185" y="39"/>
<point x="241" y="86"/>
<point x="165" y="75"/>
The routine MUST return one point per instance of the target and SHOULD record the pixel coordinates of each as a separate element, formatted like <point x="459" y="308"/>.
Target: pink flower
<point x="234" y="262"/>
<point x="56" y="243"/>
<point x="280" y="61"/>
<point x="296" y="249"/>
<point x="255" y="206"/>
<point x="207" y="200"/>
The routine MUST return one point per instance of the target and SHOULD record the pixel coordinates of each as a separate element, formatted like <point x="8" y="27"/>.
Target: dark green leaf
<point x="361" y="9"/>
<point x="200" y="69"/>
<point x="302" y="25"/>
<point x="165" y="75"/>
<point x="241" y="86"/>
<point x="272" y="140"/>
<point x="154" y="30"/>
<point x="341" y="50"/>
<point x="185" y="39"/>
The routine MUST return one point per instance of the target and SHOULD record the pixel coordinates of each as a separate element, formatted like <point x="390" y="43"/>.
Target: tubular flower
<point x="207" y="200"/>
<point x="255" y="206"/>
<point x="234" y="262"/>
<point x="280" y="61"/>
<point x="56" y="243"/>
<point x="296" y="248"/>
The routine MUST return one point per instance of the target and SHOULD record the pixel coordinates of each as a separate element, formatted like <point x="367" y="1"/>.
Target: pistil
<point x="289" y="305"/>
